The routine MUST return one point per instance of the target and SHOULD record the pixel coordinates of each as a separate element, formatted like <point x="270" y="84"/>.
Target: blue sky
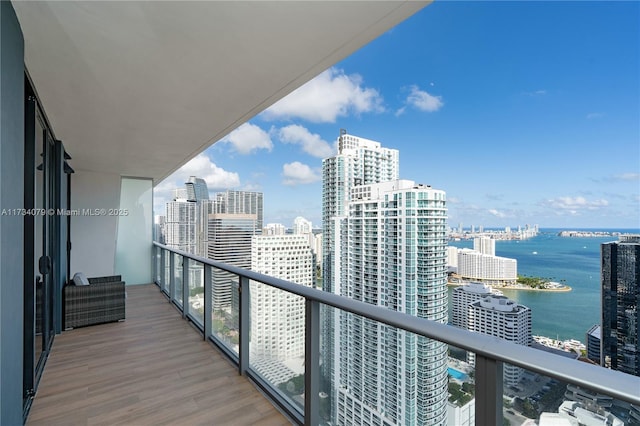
<point x="523" y="112"/>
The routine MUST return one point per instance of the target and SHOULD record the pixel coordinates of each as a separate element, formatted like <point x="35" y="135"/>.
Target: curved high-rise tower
<point x="385" y="244"/>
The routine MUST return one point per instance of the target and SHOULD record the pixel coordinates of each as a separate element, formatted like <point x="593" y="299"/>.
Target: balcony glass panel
<point x="177" y="276"/>
<point x="166" y="281"/>
<point x="381" y="374"/>
<point x="461" y="388"/>
<point x="225" y="325"/>
<point x="531" y="396"/>
<point x="374" y="373"/>
<point x="277" y="340"/>
<point x="527" y="395"/>
<point x="196" y="292"/>
<point x="157" y="273"/>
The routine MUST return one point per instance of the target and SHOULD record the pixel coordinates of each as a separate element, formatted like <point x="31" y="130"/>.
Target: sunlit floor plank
<point x="151" y="369"/>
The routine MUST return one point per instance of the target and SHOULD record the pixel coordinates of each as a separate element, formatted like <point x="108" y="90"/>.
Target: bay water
<point x="574" y="261"/>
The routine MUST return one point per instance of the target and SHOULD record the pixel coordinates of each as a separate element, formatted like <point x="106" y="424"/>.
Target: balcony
<point x="158" y="367"/>
<point x="152" y="368"/>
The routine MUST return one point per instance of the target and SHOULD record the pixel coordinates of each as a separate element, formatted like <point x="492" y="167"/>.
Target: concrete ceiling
<point x="140" y="88"/>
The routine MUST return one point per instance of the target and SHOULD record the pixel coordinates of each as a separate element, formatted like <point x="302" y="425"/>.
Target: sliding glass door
<point x="41" y="243"/>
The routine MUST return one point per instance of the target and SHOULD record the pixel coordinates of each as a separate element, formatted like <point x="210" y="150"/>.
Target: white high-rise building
<point x="180" y="225"/>
<point x="485" y="245"/>
<point x="463" y="296"/>
<point x="501" y="317"/>
<point x="452" y="258"/>
<point x="274" y="229"/>
<point x="302" y="226"/>
<point x="359" y="161"/>
<point x="473" y="265"/>
<point x="278" y="317"/>
<point x="394" y="249"/>
<point x="186" y="217"/>
<point x="317" y="248"/>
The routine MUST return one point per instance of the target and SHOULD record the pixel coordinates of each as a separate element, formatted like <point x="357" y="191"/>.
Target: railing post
<point x="185" y="286"/>
<point x="208" y="299"/>
<point x="488" y="391"/>
<point x="172" y="276"/>
<point x="245" y="306"/>
<point x="312" y="363"/>
<point x="163" y="271"/>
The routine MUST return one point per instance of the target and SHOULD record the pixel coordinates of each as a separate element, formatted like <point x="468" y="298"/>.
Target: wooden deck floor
<point x="151" y="369"/>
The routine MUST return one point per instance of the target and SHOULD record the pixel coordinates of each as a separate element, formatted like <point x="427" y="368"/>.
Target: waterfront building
<point x="475" y="266"/>
<point x="394" y="251"/>
<point x="277" y="317"/>
<point x="465" y="295"/>
<point x="485" y="245"/>
<point x="620" y="269"/>
<point x="452" y="258"/>
<point x="594" y="339"/>
<point x="501" y="317"/>
<point x="358" y="161"/>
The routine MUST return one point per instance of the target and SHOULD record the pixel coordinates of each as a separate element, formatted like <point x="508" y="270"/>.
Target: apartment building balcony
<point x="100" y="102"/>
<point x="67" y="92"/>
<point x="152" y="368"/>
<point x="209" y="333"/>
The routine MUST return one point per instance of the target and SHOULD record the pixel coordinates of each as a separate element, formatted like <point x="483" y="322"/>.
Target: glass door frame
<point x="42" y="195"/>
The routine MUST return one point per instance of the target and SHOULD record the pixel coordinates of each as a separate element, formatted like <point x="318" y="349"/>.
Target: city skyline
<point x="530" y="109"/>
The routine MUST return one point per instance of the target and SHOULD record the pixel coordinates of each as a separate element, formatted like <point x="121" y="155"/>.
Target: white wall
<point x="93" y="237"/>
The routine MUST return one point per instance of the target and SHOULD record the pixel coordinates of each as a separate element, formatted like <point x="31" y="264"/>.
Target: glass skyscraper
<point x="620" y="270"/>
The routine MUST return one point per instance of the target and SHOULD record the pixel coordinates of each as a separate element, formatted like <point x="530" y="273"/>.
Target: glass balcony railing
<point x="279" y="335"/>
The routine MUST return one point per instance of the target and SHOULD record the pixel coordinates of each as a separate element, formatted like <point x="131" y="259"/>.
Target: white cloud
<point x="311" y="143"/>
<point x="297" y="173"/>
<point x="536" y="93"/>
<point x="422" y="100"/>
<point x="594" y="115"/>
<point x="573" y="205"/>
<point x="627" y="177"/>
<point x="497" y="213"/>
<point x="248" y="138"/>
<point x="200" y="166"/>
<point x="330" y="95"/>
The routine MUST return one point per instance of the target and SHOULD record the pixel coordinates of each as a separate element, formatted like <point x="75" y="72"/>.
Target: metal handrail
<point x="610" y="382"/>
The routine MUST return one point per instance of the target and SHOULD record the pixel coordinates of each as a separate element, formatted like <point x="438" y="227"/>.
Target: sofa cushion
<point x="80" y="279"/>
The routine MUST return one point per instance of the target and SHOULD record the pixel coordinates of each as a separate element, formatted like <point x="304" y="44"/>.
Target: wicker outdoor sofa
<point x="103" y="300"/>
